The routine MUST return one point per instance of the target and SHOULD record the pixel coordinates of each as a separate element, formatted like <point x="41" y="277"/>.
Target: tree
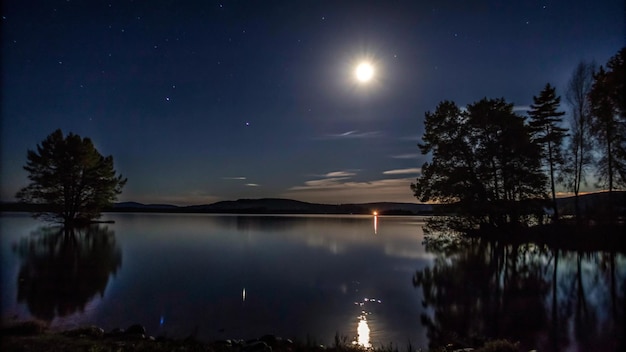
<point x="608" y="122"/>
<point x="70" y="178"/>
<point x="451" y="173"/>
<point x="578" y="156"/>
<point x="483" y="166"/>
<point x="545" y="123"/>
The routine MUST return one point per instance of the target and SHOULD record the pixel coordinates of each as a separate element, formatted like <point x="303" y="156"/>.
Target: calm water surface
<point x="222" y="276"/>
<point x="369" y="279"/>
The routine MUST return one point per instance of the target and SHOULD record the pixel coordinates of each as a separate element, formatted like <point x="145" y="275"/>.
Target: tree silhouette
<point x="70" y="178"/>
<point x="578" y="156"/>
<point x="545" y="124"/>
<point x="63" y="269"/>
<point x="608" y="123"/>
<point x="484" y="165"/>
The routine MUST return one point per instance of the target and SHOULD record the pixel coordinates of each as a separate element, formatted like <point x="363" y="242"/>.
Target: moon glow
<point x="364" y="72"/>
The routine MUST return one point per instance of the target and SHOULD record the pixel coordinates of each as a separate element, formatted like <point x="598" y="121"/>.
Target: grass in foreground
<point x="31" y="336"/>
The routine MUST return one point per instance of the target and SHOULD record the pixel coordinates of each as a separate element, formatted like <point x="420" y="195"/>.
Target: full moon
<point x="364" y="72"/>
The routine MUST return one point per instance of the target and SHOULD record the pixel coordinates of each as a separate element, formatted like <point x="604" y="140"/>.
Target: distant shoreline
<point x="264" y="206"/>
<point x="591" y="203"/>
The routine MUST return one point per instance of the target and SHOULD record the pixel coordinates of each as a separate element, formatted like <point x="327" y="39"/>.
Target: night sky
<point x="200" y="101"/>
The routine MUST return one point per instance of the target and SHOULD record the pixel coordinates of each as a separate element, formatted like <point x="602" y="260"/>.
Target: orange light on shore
<point x="375" y="213"/>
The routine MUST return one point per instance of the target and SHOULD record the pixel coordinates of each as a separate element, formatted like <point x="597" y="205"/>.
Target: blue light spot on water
<point x="162" y="320"/>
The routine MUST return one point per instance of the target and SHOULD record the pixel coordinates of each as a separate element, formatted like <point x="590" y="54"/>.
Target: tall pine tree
<point x="545" y="124"/>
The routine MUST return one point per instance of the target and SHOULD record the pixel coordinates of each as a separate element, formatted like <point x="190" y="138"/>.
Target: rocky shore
<point x="33" y="336"/>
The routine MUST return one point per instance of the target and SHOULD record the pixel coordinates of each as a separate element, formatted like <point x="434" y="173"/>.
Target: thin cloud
<point x="345" y="134"/>
<point x="234" y="178"/>
<point x="406" y="156"/>
<point x="340" y="174"/>
<point x="253" y="184"/>
<point x="322" y="183"/>
<point x="413" y="170"/>
<point x="330" y="190"/>
<point x="354" y="134"/>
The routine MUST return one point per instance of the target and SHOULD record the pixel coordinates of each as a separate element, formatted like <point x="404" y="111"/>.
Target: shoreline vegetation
<point x="34" y="336"/>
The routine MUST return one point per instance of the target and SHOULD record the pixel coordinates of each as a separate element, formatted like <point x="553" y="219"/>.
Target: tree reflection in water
<point x="545" y="298"/>
<point x="62" y="270"/>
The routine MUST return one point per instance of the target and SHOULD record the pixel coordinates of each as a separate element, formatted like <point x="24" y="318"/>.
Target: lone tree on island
<point x="70" y="179"/>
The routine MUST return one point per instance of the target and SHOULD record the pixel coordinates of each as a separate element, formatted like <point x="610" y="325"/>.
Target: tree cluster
<point x="484" y="162"/>
<point x="495" y="167"/>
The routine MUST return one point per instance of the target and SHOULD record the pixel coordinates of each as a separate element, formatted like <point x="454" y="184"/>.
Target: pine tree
<point x="545" y="124"/>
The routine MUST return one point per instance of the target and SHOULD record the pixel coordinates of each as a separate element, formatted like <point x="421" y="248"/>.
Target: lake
<point x="372" y="280"/>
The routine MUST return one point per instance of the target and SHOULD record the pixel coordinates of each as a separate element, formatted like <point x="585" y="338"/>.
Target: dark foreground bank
<point x="32" y="336"/>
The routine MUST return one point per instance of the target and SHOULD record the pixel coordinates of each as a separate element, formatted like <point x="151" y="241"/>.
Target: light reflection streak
<point x="363" y="329"/>
<point x="363" y="332"/>
<point x="375" y="224"/>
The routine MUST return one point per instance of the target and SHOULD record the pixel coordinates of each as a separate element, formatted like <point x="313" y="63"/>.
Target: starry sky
<point x="201" y="101"/>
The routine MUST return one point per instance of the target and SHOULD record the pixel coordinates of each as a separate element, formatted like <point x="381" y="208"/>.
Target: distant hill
<point x="279" y="206"/>
<point x="592" y="203"/>
<point x="391" y="208"/>
<point x="125" y="205"/>
<point x="589" y="203"/>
